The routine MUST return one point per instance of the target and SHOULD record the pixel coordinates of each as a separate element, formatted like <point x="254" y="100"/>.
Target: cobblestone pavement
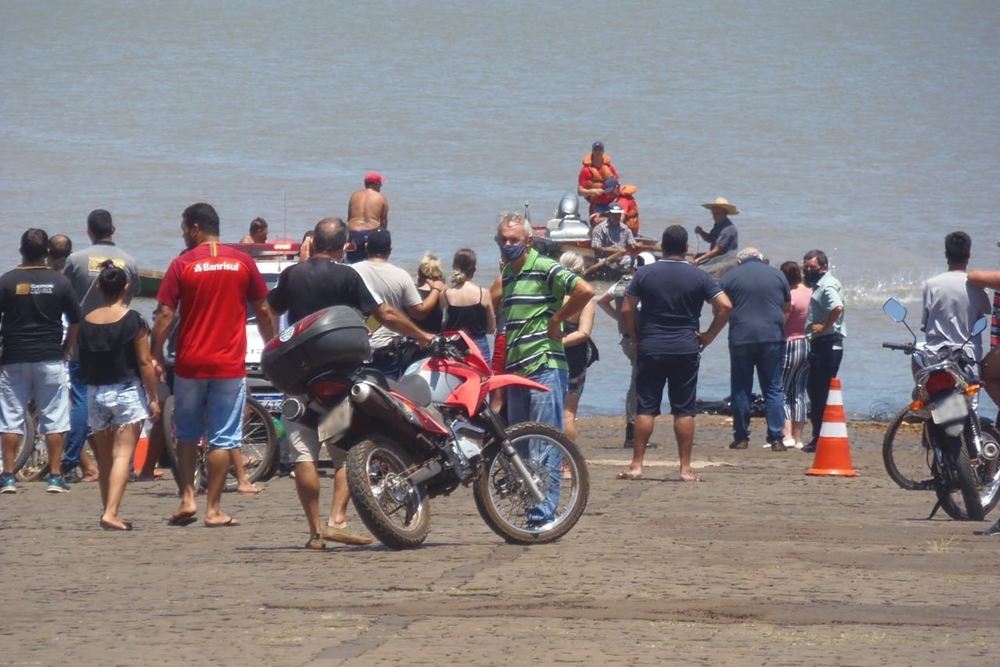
<point x="758" y="564"/>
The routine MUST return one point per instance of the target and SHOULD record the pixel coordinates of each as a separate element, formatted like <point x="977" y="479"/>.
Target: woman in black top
<point x="116" y="365"/>
<point x="469" y="307"/>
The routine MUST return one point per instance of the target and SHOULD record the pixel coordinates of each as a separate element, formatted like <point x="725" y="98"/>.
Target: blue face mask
<point x="512" y="253"/>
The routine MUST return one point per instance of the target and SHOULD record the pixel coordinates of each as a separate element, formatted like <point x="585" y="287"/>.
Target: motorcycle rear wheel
<point x="396" y="512"/>
<point x="963" y="503"/>
<point x="904" y="451"/>
<point x="32" y="460"/>
<point x="986" y="491"/>
<point x="557" y="465"/>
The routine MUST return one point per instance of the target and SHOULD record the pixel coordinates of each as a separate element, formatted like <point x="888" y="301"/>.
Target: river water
<point x="865" y="129"/>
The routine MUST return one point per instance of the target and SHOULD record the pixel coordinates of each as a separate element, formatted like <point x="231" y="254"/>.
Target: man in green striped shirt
<point x="535" y="304"/>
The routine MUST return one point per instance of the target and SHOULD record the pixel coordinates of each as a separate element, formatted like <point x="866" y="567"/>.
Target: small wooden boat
<point x="149" y="283"/>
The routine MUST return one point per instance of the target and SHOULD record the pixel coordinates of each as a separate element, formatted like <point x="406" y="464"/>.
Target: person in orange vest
<point x="630" y="217"/>
<point x="591" y="184"/>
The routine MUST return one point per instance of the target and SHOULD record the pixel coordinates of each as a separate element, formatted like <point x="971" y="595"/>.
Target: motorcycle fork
<point x="500" y="434"/>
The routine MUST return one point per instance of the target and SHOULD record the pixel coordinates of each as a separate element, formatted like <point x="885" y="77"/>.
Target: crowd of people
<point x="93" y="368"/>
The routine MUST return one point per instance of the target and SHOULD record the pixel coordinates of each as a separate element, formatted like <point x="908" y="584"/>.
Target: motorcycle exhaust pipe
<point x="991" y="459"/>
<point x="368" y="400"/>
<point x="293" y="409"/>
<point x="425" y="473"/>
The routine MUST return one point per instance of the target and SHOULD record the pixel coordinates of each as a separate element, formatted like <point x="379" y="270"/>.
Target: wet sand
<point x="758" y="564"/>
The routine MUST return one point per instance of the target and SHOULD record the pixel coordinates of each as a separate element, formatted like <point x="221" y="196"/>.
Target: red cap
<point x="374" y="177"/>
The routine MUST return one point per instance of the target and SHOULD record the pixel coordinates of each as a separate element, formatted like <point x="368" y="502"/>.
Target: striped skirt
<point x="794" y="374"/>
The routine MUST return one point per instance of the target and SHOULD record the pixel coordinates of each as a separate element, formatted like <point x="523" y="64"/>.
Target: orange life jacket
<point x="598" y="175"/>
<point x="631" y="215"/>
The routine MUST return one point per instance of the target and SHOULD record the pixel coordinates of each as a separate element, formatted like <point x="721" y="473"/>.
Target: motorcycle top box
<point x="334" y="339"/>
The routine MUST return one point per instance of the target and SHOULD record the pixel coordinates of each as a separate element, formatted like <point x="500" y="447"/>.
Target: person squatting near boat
<point x="367" y="210"/>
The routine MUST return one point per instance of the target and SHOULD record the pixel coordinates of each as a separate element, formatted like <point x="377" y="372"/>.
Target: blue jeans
<point x="767" y="359"/>
<point x="525" y="404"/>
<point x="76" y="439"/>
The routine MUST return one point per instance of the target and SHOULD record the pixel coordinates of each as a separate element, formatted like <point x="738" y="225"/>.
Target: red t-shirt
<point x="213" y="284"/>
<point x="586" y="177"/>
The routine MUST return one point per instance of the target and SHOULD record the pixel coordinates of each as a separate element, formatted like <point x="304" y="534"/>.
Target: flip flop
<point x="256" y="490"/>
<point x="632" y="476"/>
<point x="108" y="526"/>
<point x="185" y="520"/>
<point x="225" y="524"/>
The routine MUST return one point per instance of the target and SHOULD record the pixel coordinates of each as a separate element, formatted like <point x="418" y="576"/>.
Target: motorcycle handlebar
<point x="909" y="348"/>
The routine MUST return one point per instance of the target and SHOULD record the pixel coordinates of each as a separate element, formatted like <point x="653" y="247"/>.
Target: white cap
<point x="647" y="258"/>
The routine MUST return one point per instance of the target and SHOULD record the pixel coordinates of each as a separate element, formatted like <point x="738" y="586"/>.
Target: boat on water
<point x="567" y="231"/>
<point x="149" y="283"/>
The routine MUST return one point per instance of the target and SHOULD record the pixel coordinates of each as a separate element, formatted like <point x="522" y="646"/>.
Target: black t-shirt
<point x="758" y="293"/>
<point x="316" y="284"/>
<point x="672" y="293"/>
<point x="107" y="351"/>
<point x="33" y="301"/>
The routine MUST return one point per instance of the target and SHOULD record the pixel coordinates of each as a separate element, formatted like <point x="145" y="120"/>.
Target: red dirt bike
<point x="427" y="434"/>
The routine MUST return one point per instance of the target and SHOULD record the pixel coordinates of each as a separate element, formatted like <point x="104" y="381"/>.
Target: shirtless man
<point x="367" y="211"/>
<point x="257" y="232"/>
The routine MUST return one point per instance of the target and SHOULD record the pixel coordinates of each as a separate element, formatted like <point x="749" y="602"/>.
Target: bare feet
<point x="246" y="487"/>
<point x="689" y="476"/>
<point x="630" y="473"/>
<point x="89" y="477"/>
<point x="114" y="523"/>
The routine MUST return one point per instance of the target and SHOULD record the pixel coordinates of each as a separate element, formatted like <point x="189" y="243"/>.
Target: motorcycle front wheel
<point x="559" y="470"/>
<point x="904" y="451"/>
<point x="396" y="512"/>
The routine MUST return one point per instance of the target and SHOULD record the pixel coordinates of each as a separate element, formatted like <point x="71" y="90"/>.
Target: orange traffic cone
<point x="139" y="458"/>
<point x="833" y="451"/>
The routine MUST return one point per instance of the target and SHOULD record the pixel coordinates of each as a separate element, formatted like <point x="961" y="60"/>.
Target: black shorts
<point x="678" y="371"/>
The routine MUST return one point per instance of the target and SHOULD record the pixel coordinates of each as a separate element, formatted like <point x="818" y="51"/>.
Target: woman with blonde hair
<point x="430" y="276"/>
<point x="469" y="307"/>
<point x="580" y="349"/>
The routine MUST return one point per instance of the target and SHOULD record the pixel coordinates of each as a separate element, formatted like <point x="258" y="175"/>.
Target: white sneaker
<point x="790" y="442"/>
<point x="799" y="445"/>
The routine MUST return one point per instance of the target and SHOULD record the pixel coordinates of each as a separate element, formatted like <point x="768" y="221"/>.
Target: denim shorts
<point x="48" y="383"/>
<point x="116" y="404"/>
<point x="210" y="407"/>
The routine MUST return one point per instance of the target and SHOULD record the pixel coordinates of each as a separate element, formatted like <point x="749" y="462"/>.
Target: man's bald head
<point x="329" y="236"/>
<point x="60" y="247"/>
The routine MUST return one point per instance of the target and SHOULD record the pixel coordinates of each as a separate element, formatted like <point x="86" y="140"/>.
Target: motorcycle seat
<point x="414" y="388"/>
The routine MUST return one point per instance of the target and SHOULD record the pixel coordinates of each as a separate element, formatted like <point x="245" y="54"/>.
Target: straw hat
<point x="724" y="205"/>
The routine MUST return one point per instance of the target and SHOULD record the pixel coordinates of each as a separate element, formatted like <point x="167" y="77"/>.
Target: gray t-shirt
<point x="396" y="288"/>
<point x="951" y="307"/>
<point x="83" y="267"/>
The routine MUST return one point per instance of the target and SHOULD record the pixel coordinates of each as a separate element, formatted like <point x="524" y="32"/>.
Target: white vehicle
<point x="271" y="260"/>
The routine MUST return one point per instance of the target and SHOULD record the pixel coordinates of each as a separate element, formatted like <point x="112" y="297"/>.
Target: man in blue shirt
<point x="668" y="343"/>
<point x="761" y="302"/>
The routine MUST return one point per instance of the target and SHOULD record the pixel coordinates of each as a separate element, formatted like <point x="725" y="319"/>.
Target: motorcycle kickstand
<point x="937" y="506"/>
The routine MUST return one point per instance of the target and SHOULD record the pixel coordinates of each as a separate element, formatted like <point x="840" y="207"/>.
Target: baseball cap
<point x="598" y="146"/>
<point x="379" y="242"/>
<point x="374" y="177"/>
<point x="615" y="208"/>
<point x="610" y="184"/>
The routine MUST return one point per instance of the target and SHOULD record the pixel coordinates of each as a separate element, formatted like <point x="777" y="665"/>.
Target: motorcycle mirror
<point x="895" y="310"/>
<point x="980" y="326"/>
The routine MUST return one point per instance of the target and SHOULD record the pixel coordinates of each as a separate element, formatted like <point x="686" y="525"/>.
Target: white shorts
<point x="303" y="444"/>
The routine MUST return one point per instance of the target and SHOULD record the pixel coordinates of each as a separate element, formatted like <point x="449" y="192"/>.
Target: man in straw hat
<point x="723" y="237"/>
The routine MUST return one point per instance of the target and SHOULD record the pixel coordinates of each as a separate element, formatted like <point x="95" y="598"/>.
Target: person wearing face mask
<point x="825" y="330"/>
<point x="535" y="304"/>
